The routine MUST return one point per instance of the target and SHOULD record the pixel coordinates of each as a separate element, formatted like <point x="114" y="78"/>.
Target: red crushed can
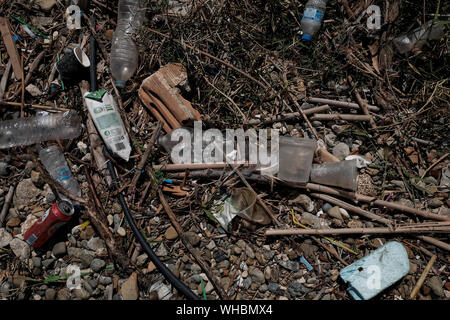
<point x="56" y="216"/>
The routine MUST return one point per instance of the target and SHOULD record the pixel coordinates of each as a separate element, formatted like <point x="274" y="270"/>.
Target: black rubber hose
<point x="153" y="257"/>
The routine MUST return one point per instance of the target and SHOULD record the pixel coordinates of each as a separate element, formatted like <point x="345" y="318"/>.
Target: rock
<point x="97" y="245"/>
<point x="445" y="179"/>
<point x="36" y="178"/>
<point x="296" y="289"/>
<point x="309" y="219"/>
<point x="435" y="203"/>
<point x="406" y="202"/>
<point x="256" y="274"/>
<point x="33" y="90"/>
<point x="355" y="224"/>
<point x="121" y="232"/>
<point x="37" y="262"/>
<point x="435" y="284"/>
<point x="87" y="233"/>
<point x="151" y="266"/>
<point x="304" y="201"/>
<point x="309" y="250"/>
<point x="20" y="248"/>
<point x="237" y="250"/>
<point x="268" y="254"/>
<point x="29" y="221"/>
<point x="5" y="238"/>
<point x="267" y="273"/>
<point x="249" y="252"/>
<point x="326" y="206"/>
<point x="290" y="265"/>
<point x="223" y="264"/>
<point x="247" y="283"/>
<point x="162" y="251"/>
<point x="63" y="294"/>
<point x="211" y="245"/>
<point x="46" y="5"/>
<point x="209" y="287"/>
<point x="192" y="237"/>
<point x="171" y="233"/>
<point x="50" y="294"/>
<point x="263" y="288"/>
<point x="26" y="193"/>
<point x="244" y="274"/>
<point x="4" y="169"/>
<point x="59" y="249"/>
<point x="341" y="150"/>
<point x="129" y="289"/>
<point x="47" y="262"/>
<point x="219" y="255"/>
<point x="97" y="265"/>
<point x="13" y="222"/>
<point x="273" y="287"/>
<point x="335" y="213"/>
<point x="344" y="213"/>
<point x="141" y="259"/>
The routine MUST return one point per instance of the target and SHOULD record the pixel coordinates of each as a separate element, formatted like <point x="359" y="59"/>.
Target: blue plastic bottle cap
<point x="120" y="84"/>
<point x="306" y="37"/>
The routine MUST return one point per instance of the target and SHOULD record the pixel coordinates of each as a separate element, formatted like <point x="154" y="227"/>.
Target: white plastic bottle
<point x="55" y="163"/>
<point x="124" y="54"/>
<point x="432" y="30"/>
<point x="312" y="18"/>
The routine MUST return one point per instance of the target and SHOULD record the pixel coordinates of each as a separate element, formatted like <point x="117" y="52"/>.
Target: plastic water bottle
<point x="124" y="54"/>
<point x="55" y="163"/>
<point x="31" y="130"/>
<point x="432" y="30"/>
<point x="312" y="18"/>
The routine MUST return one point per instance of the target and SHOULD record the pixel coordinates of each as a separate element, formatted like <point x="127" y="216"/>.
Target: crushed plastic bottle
<point x="432" y="30"/>
<point x="31" y="130"/>
<point x="54" y="162"/>
<point x="124" y="54"/>
<point x="107" y="120"/>
<point x="312" y="18"/>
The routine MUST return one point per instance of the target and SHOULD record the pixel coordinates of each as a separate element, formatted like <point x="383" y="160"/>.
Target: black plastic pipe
<point x="181" y="286"/>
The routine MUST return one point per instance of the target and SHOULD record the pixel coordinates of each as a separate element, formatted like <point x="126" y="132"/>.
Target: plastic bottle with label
<point x="312" y="18"/>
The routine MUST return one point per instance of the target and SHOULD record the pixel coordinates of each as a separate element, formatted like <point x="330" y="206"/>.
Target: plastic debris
<point x="370" y="275"/>
<point x="342" y="174"/>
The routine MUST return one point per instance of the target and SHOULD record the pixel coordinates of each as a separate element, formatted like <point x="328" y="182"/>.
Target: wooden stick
<point x="33" y="67"/>
<point x="365" y="231"/>
<point x="195" y="253"/>
<point x="288" y="116"/>
<point x="303" y="115"/>
<point x="8" y="200"/>
<point x="435" y="163"/>
<point x="342" y="104"/>
<point x="422" y="278"/>
<point x="369" y="215"/>
<point x="5" y="29"/>
<point x="195" y="166"/>
<point x="348" y="117"/>
<point x="435" y="242"/>
<point x="33" y="106"/>
<point x="22" y="99"/>
<point x="5" y="77"/>
<point x="145" y="156"/>
<point x="363" y="104"/>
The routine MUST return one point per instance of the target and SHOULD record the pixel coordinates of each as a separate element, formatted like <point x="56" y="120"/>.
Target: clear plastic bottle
<point x="31" y="130"/>
<point x="124" y="54"/>
<point x="432" y="30"/>
<point x="312" y="18"/>
<point x="55" y="163"/>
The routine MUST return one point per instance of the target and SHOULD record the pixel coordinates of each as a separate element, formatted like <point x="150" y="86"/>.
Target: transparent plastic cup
<point x="243" y="203"/>
<point x="296" y="156"/>
<point x="342" y="174"/>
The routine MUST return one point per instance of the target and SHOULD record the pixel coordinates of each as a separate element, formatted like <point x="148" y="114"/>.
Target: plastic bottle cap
<point x="120" y="84"/>
<point x="306" y="37"/>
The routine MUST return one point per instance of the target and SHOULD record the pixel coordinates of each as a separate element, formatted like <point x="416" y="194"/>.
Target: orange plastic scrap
<point x="161" y="95"/>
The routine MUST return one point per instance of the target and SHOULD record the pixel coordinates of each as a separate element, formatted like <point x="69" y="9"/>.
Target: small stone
<point x="81" y="293"/>
<point x="87" y="233"/>
<point x="249" y="252"/>
<point x="129" y="289"/>
<point x="209" y="287"/>
<point x="47" y="262"/>
<point x="50" y="294"/>
<point x="335" y="213"/>
<point x="162" y="251"/>
<point x="37" y="262"/>
<point x="219" y="255"/>
<point x="267" y="273"/>
<point x="97" y="265"/>
<point x="171" y="233"/>
<point x="35" y="178"/>
<point x="97" y="245"/>
<point x="4" y="169"/>
<point x="116" y="208"/>
<point x="341" y="150"/>
<point x="193" y="238"/>
<point x="290" y="265"/>
<point x="256" y="274"/>
<point x="244" y="274"/>
<point x="63" y="294"/>
<point x="141" y="259"/>
<point x="354" y="224"/>
<point x="20" y="248"/>
<point x="110" y="219"/>
<point x="13" y="222"/>
<point x="304" y="201"/>
<point x="46" y="5"/>
<point x="435" y="203"/>
<point x="5" y="238"/>
<point x="435" y="284"/>
<point x="326" y="206"/>
<point x="121" y="232"/>
<point x="26" y="193"/>
<point x="211" y="245"/>
<point x="247" y="283"/>
<point x="59" y="249"/>
<point x="33" y="90"/>
<point x="151" y="266"/>
<point x="297" y="289"/>
<point x="237" y="250"/>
